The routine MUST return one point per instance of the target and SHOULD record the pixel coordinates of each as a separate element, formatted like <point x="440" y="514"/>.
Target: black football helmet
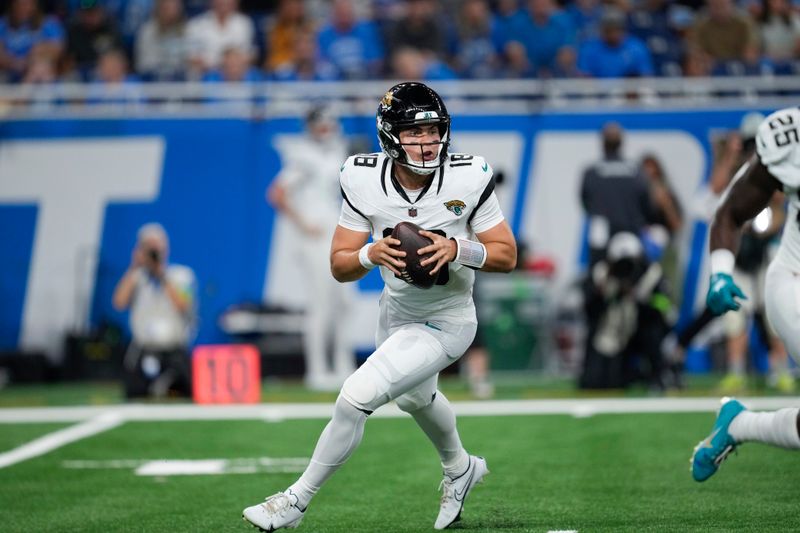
<point x="406" y="105"/>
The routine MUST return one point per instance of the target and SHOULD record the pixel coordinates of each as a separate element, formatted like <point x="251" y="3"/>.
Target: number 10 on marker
<point x="226" y="374"/>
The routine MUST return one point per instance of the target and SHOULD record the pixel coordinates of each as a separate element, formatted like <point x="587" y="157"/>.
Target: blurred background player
<point x="773" y="168"/>
<point x="420" y="332"/>
<point x="757" y="248"/>
<point x="307" y="193"/>
<point x="161" y="299"/>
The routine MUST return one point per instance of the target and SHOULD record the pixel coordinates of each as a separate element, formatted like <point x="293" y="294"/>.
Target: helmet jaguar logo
<point x="386" y="101"/>
<point x="456" y="207"/>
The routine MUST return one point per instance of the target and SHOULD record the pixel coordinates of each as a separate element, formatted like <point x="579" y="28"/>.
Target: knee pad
<point x="363" y="389"/>
<point x="414" y="400"/>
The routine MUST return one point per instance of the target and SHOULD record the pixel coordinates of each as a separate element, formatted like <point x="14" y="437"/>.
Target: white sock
<point x="438" y="421"/>
<point x="339" y="439"/>
<point x="778" y="428"/>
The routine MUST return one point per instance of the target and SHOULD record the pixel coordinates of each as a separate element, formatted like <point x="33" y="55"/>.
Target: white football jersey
<point x="459" y="202"/>
<point x="310" y="175"/>
<point x="778" y="147"/>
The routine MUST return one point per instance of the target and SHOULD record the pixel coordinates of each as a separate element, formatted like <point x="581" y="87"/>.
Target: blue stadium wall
<point x="209" y="194"/>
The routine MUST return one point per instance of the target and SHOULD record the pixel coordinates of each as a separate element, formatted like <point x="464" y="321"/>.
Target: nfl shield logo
<point x="412" y="211"/>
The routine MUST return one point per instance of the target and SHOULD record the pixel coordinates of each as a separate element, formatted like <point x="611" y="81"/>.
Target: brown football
<point x="411" y="241"/>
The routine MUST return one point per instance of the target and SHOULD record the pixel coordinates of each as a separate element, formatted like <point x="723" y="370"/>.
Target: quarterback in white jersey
<point x="774" y="167"/>
<point x="420" y="331"/>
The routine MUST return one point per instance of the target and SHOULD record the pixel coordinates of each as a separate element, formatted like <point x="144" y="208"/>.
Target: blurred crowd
<point x="127" y="41"/>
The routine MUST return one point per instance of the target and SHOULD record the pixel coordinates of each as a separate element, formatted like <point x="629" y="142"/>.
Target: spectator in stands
<point x="306" y="65"/>
<point x="585" y="15"/>
<point x="614" y="54"/>
<point x="725" y="34"/>
<point x="26" y="31"/>
<point x="544" y="30"/>
<point x="282" y="33"/>
<point x="517" y="64"/>
<point x="420" y="28"/>
<point x="216" y="30"/>
<point x="476" y="56"/>
<point x="162" y="48"/>
<point x="113" y="83"/>
<point x="413" y="64"/>
<point x="42" y="74"/>
<point x="161" y="299"/>
<point x="130" y="16"/>
<point x="614" y="194"/>
<point x="351" y="45"/>
<point x="41" y="70"/>
<point x="654" y="23"/>
<point x="90" y="34"/>
<point x="566" y="65"/>
<point x="235" y="68"/>
<point x="779" y="29"/>
<point x="697" y="64"/>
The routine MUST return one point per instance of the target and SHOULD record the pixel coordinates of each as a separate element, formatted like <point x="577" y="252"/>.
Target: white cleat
<point x="455" y="491"/>
<point x="278" y="511"/>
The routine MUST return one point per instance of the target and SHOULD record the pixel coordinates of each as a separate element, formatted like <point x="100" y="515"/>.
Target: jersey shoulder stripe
<point x="487" y="192"/>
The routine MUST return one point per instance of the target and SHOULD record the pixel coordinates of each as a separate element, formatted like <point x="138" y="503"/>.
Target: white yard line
<point x="298" y="411"/>
<point x="97" y="419"/>
<point x="60" y="438"/>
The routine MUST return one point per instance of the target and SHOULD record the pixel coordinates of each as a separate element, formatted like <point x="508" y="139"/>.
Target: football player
<point x="420" y="332"/>
<point x="774" y="167"/>
<point x="306" y="192"/>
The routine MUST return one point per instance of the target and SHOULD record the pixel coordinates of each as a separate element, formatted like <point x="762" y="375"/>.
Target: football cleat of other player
<point x="774" y="167"/>
<point x="419" y="331"/>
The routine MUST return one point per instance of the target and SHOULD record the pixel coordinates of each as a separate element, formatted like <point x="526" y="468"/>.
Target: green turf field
<point x="609" y="473"/>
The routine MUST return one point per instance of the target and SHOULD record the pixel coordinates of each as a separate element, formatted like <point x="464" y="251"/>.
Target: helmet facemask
<point x="401" y="153"/>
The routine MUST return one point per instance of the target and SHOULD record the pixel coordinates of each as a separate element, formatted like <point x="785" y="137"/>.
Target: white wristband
<point x="470" y="253"/>
<point x="722" y="261"/>
<point x="363" y="257"/>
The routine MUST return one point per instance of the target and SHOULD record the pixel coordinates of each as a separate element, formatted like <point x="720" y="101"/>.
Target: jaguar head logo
<point x="386" y="101"/>
<point x="456" y="207"/>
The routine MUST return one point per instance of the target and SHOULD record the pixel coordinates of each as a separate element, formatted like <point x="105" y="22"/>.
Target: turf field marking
<point x="300" y="411"/>
<point x="62" y="437"/>
<point x="196" y="467"/>
<point x="563" y="531"/>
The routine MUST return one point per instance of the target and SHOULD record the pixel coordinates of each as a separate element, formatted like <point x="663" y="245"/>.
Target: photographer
<point x="628" y="315"/>
<point x="161" y="299"/>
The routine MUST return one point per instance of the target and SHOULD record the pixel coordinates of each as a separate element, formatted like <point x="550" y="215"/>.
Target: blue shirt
<point x="542" y="42"/>
<point x="19" y="41"/>
<point x="354" y="52"/>
<point x="476" y="56"/>
<point x="630" y="59"/>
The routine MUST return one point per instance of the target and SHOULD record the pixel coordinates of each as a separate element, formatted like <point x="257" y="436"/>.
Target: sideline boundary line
<point x="301" y="411"/>
<point x="93" y="420"/>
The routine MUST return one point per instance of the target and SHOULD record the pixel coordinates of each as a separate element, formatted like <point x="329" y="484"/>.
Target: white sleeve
<point x="353" y="220"/>
<point x="350" y="216"/>
<point x="487" y="215"/>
